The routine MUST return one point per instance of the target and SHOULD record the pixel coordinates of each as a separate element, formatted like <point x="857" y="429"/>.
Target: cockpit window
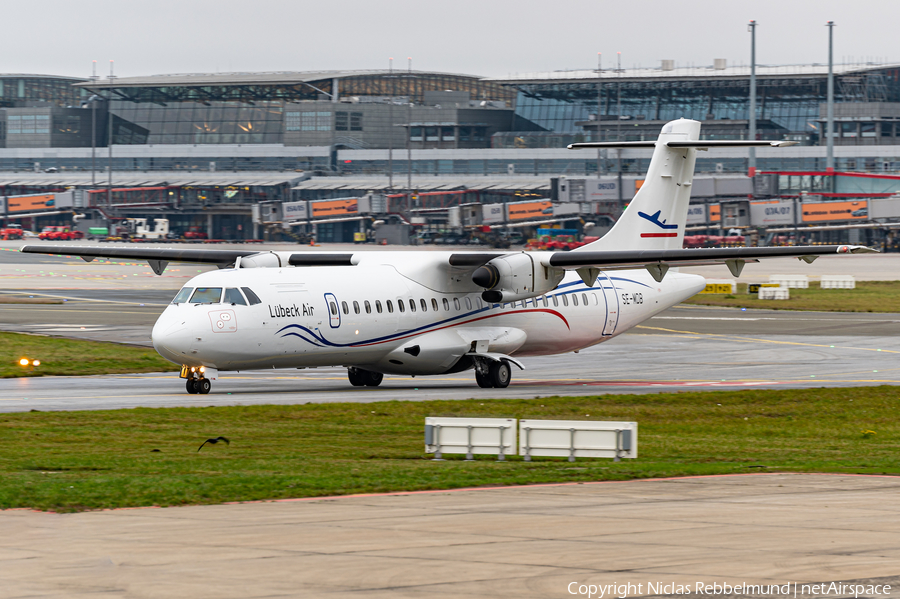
<point x="207" y="295"/>
<point x="251" y="297"/>
<point x="233" y="296"/>
<point x="183" y="295"/>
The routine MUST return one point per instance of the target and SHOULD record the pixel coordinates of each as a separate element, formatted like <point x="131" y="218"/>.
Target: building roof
<point x="227" y="79"/>
<point x="152" y="179"/>
<point x="693" y="72"/>
<point x="427" y="183"/>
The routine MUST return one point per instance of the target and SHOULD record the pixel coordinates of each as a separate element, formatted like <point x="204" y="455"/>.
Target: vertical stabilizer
<point x="655" y="218"/>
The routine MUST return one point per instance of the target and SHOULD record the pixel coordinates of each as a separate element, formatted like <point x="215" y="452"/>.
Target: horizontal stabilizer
<point x="699" y="144"/>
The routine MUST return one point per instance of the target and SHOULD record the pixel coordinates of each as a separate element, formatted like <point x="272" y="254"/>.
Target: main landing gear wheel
<point x="364" y="378"/>
<point x="500" y="374"/>
<point x="483" y="380"/>
<point x="191" y="386"/>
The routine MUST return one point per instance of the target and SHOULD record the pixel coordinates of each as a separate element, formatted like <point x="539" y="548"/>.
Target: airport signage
<point x="715" y="213"/>
<point x="29" y="203"/>
<point x="295" y="210"/>
<point x="324" y="208"/>
<point x="527" y="210"/>
<point x="813" y="212"/>
<point x="696" y="214"/>
<point x="772" y="213"/>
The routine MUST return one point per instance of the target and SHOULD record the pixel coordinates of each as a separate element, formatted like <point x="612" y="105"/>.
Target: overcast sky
<point x="479" y="37"/>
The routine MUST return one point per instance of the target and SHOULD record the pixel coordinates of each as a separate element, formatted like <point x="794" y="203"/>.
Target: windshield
<point x="206" y="295"/>
<point x="233" y="296"/>
<point x="183" y="295"/>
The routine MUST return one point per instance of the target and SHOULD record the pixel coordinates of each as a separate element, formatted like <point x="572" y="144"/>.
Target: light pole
<point x="829" y="129"/>
<point x="599" y="109"/>
<point x="752" y="133"/>
<point x="391" y="126"/>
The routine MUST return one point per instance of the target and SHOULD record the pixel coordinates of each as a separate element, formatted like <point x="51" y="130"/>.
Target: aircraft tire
<point x="373" y="379"/>
<point x="203" y="386"/>
<point x="191" y="386"/>
<point x="500" y="374"/>
<point x="356" y="377"/>
<point x="484" y="381"/>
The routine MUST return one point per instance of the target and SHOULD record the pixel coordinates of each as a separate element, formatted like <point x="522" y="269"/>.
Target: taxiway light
<point x="24" y="362"/>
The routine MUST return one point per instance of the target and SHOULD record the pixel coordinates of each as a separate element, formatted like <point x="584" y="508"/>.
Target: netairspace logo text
<point x="791" y="589"/>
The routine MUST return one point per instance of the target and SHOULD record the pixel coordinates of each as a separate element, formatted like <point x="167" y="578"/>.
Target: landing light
<point x="24" y="362"/>
<point x="36" y="363"/>
<point x="202" y="369"/>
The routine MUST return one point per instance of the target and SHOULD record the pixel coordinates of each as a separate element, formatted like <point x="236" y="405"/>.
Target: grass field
<point x="869" y="296"/>
<point x="69" y="461"/>
<point x="74" y="357"/>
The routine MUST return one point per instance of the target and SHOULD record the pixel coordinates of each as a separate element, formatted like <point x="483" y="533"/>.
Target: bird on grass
<point x="214" y="441"/>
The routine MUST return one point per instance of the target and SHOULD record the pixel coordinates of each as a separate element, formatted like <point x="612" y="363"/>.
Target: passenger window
<point x="584" y="298"/>
<point x="207" y="295"/>
<point x="555" y="302"/>
<point x="546" y="303"/>
<point x="251" y="297"/>
<point x="565" y="301"/>
<point x="355" y="307"/>
<point x="468" y="304"/>
<point x="368" y="307"/>
<point x="574" y="299"/>
<point x="434" y="305"/>
<point x="456" y="303"/>
<point x="594" y="295"/>
<point x="333" y="307"/>
<point x="412" y="305"/>
<point x="378" y="306"/>
<point x="478" y="303"/>
<point x="345" y="308"/>
<point x="185" y="293"/>
<point x="446" y="304"/>
<point x="424" y="305"/>
<point x="401" y="306"/>
<point x="233" y="296"/>
<point x="390" y="307"/>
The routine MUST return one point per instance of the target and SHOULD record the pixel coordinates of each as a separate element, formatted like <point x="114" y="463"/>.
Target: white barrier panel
<point x="577" y="439"/>
<point x="493" y="436"/>
<point x="774" y="293"/>
<point x="791" y="281"/>
<point x="838" y="282"/>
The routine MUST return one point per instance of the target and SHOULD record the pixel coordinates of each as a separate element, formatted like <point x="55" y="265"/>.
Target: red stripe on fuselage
<point x="659" y="234"/>
<point x="456" y="324"/>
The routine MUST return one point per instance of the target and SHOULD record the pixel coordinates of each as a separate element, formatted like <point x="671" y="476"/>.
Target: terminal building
<point x="215" y="145"/>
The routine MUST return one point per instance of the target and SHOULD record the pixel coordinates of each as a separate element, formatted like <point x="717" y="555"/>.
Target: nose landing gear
<point x="201" y="385"/>
<point x="196" y="382"/>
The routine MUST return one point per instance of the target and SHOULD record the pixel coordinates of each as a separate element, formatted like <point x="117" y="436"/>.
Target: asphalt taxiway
<point x="683" y="348"/>
<point x="525" y="542"/>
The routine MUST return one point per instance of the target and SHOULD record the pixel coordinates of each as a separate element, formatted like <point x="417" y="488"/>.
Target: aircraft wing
<point x="659" y="261"/>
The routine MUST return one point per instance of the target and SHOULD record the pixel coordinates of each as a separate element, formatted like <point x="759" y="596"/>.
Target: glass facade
<point x="17" y="90"/>
<point x="792" y="103"/>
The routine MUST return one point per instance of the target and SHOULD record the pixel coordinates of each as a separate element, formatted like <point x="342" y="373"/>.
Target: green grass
<point x="70" y="461"/>
<point x="74" y="357"/>
<point x="869" y="296"/>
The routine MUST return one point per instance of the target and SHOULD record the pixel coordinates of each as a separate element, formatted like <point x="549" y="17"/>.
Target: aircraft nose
<point x="172" y="338"/>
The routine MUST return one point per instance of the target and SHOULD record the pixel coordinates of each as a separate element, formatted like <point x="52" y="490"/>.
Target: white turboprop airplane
<point x="432" y="313"/>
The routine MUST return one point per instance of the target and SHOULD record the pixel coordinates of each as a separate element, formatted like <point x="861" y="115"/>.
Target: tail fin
<point x="655" y="218"/>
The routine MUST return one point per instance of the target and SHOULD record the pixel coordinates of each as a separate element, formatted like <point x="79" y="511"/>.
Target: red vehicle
<point x="194" y="233"/>
<point x="59" y="233"/>
<point x="12" y="231"/>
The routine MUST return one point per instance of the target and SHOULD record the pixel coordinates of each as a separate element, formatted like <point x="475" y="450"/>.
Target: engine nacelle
<point x="261" y="260"/>
<point x="516" y="277"/>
